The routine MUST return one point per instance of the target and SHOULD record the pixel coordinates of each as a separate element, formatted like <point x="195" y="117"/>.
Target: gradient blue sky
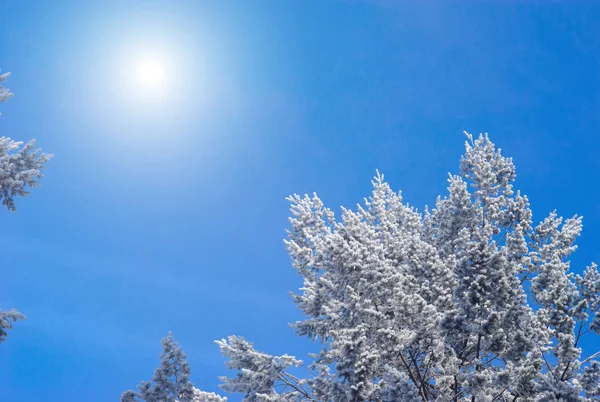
<point x="168" y="213"/>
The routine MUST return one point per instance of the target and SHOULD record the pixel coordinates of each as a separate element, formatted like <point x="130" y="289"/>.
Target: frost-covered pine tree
<point x="4" y="93"/>
<point x="171" y="381"/>
<point x="6" y="320"/>
<point x="20" y="167"/>
<point x="468" y="301"/>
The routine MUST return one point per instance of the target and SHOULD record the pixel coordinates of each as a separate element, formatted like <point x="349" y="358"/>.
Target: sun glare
<point x="150" y="73"/>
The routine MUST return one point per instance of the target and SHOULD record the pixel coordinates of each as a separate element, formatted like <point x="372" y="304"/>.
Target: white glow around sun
<point x="147" y="74"/>
<point x="150" y="73"/>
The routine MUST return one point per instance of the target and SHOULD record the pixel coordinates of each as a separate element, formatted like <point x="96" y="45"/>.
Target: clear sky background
<point x="166" y="211"/>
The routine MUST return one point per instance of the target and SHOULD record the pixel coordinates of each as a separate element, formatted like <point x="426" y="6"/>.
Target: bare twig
<point x="547" y="364"/>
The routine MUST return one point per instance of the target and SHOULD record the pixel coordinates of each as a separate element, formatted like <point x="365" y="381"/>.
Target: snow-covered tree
<point x="20" y="167"/>
<point x="468" y="301"/>
<point x="4" y="93"/>
<point x="171" y="381"/>
<point x="5" y="322"/>
<point x="261" y="377"/>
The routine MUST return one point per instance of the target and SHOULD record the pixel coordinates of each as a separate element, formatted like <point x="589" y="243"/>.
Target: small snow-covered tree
<point x="171" y="381"/>
<point x="20" y="167"/>
<point x="261" y="377"/>
<point x="468" y="301"/>
<point x="5" y="322"/>
<point x="4" y="93"/>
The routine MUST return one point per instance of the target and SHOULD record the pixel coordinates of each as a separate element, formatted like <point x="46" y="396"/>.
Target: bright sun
<point x="148" y="74"/>
<point x="151" y="73"/>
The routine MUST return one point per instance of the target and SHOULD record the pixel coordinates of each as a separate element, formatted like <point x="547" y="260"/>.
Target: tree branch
<point x="547" y="364"/>
<point x="422" y="382"/>
<point x="412" y="377"/>
<point x="562" y="377"/>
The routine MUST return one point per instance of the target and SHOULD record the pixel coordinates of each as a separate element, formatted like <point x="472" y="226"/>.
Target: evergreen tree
<point x="5" y="321"/>
<point x="4" y="93"/>
<point x="20" y="167"/>
<point x="171" y="381"/>
<point x="468" y="301"/>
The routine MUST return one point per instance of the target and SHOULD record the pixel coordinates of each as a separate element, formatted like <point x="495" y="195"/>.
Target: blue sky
<point x="167" y="211"/>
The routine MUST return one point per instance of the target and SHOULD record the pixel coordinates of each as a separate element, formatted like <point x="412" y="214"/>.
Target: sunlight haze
<point x="179" y="128"/>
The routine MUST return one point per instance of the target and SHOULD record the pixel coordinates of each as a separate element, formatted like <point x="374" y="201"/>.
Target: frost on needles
<point x="20" y="167"/>
<point x="468" y="301"/>
<point x="171" y="381"/>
